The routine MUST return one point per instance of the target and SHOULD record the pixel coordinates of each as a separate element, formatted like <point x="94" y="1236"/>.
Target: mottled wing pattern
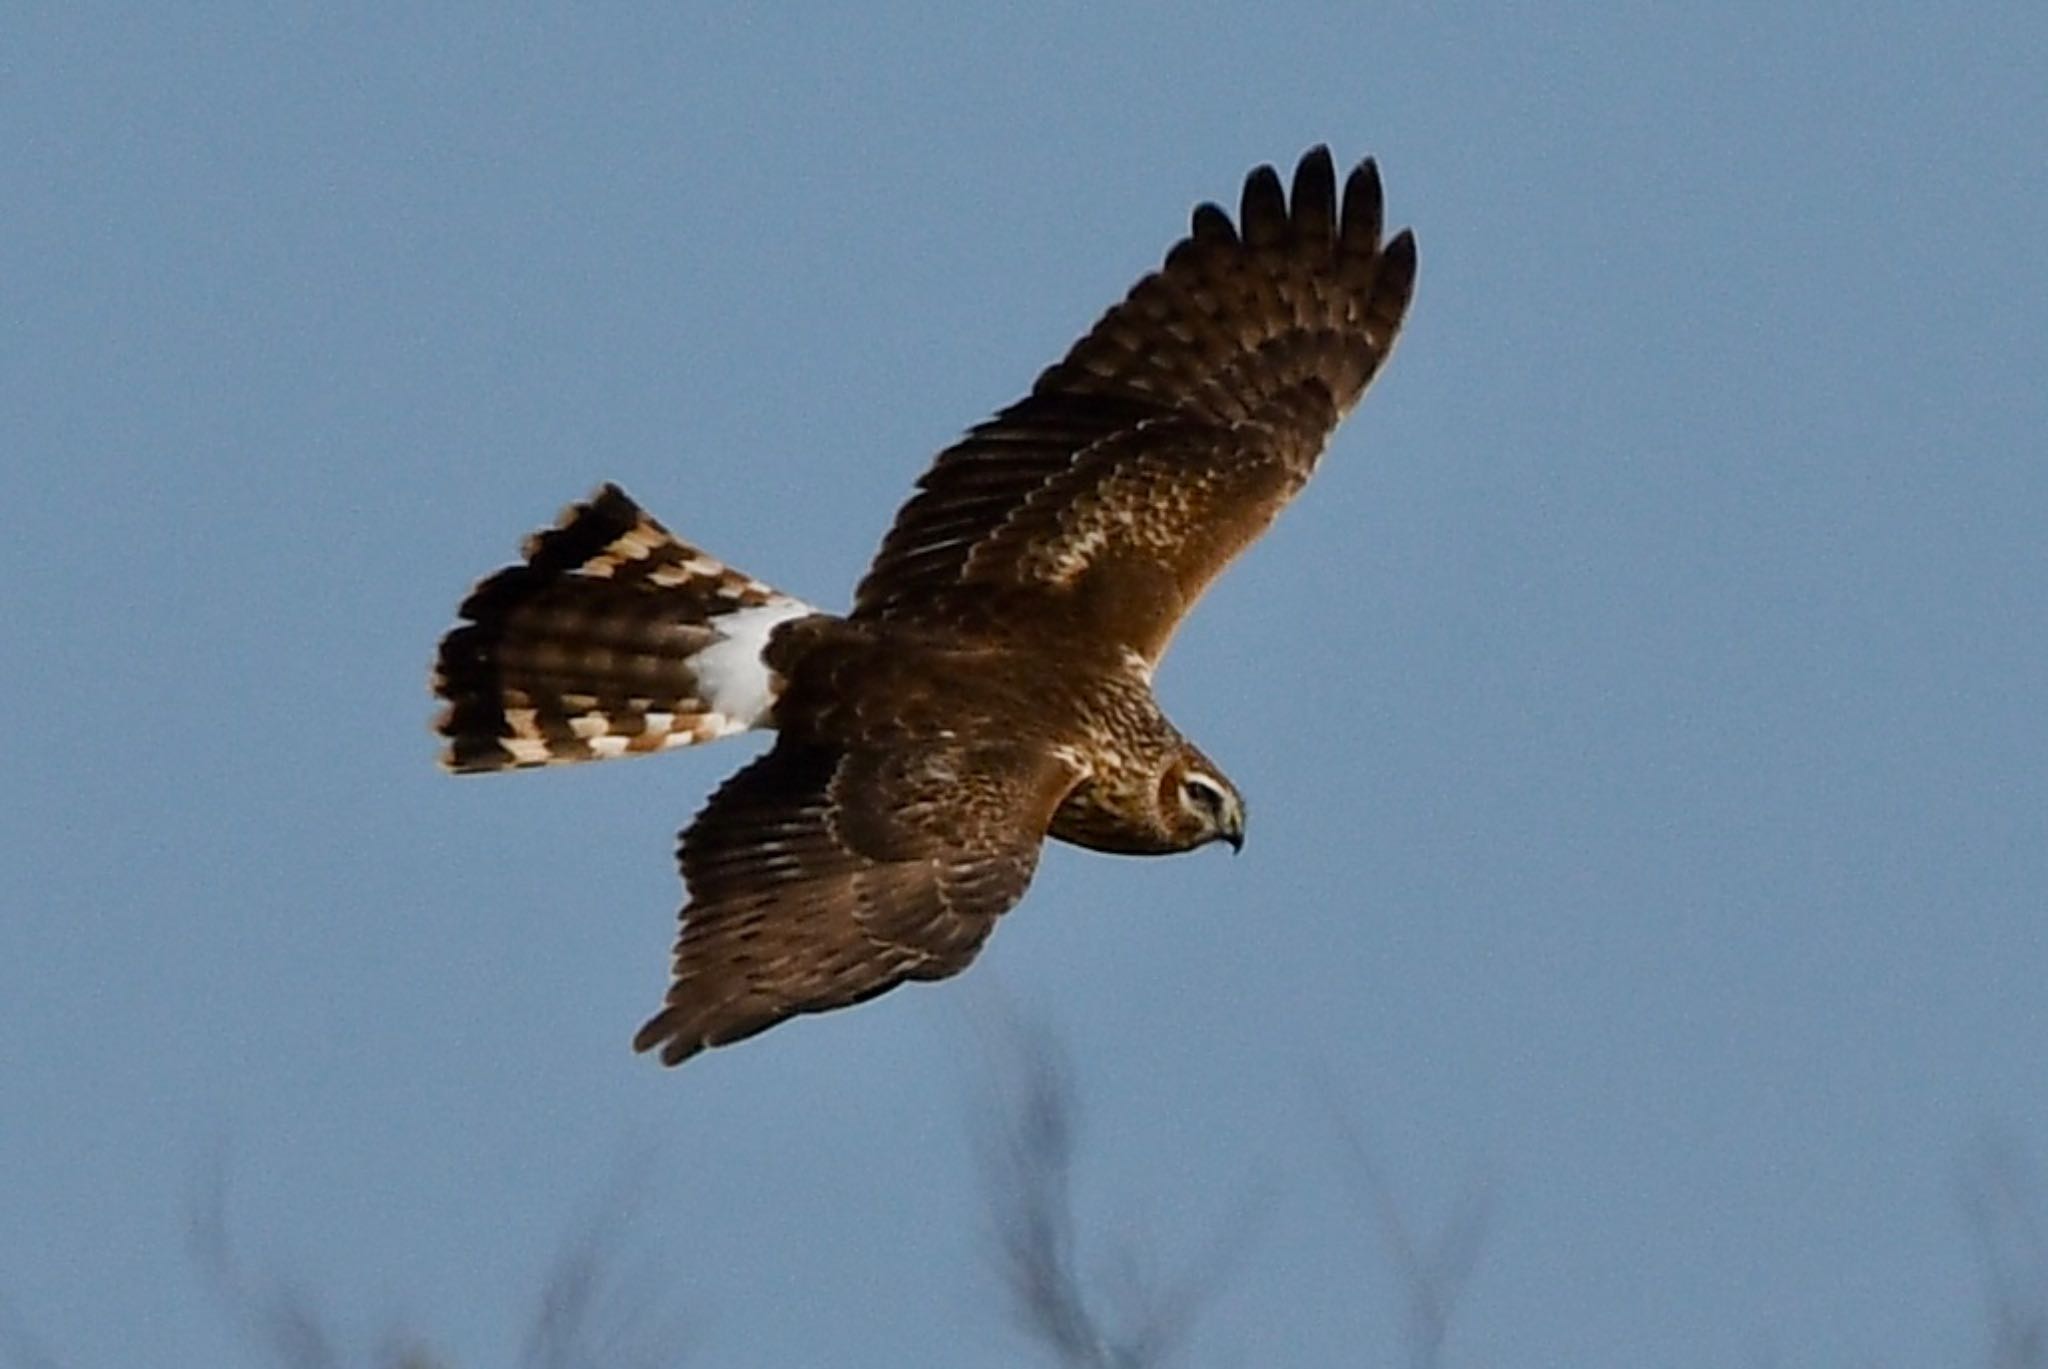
<point x="821" y="876"/>
<point x="590" y="649"/>
<point x="1171" y="435"/>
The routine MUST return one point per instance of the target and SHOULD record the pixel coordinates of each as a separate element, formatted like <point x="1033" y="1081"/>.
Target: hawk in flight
<point x="992" y="685"/>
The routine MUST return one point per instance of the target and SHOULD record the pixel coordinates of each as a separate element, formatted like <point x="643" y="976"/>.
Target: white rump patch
<point x="732" y="679"/>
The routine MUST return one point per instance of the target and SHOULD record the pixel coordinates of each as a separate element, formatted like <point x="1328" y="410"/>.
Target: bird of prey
<point x="992" y="684"/>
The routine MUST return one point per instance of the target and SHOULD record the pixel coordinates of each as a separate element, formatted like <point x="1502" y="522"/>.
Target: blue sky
<point x="1641" y="714"/>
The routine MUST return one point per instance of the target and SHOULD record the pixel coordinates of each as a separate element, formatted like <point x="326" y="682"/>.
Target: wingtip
<point x="1211" y="223"/>
<point x="655" y="1037"/>
<point x="1262" y="210"/>
<point x="1313" y="202"/>
<point x="1401" y="251"/>
<point x="666" y="1036"/>
<point x="1316" y="166"/>
<point x="1363" y="215"/>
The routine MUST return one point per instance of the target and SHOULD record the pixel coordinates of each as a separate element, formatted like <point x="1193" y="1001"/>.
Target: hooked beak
<point x="1233" y="829"/>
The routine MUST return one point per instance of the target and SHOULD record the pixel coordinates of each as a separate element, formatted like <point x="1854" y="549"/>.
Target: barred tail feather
<point x="613" y="639"/>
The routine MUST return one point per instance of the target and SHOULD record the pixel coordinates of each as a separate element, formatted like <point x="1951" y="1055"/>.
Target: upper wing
<point x="821" y="876"/>
<point x="1171" y="435"/>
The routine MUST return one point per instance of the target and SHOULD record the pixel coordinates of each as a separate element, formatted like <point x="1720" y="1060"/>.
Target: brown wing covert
<point x="822" y="876"/>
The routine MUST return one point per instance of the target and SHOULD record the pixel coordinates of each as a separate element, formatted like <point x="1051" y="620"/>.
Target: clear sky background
<point x="1642" y="714"/>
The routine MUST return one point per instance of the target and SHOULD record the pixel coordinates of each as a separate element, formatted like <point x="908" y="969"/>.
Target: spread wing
<point x="820" y="876"/>
<point x="1166" y="441"/>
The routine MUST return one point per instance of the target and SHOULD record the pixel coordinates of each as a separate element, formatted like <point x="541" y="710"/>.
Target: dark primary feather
<point x="1166" y="440"/>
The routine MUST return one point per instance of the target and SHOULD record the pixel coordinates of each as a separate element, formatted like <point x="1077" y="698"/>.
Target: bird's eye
<point x="1203" y="794"/>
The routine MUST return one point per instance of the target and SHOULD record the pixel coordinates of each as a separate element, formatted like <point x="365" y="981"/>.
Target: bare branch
<point x="588" y="1318"/>
<point x="1434" y="1273"/>
<point x="1026" y="1149"/>
<point x="278" y="1316"/>
<point x="583" y="1319"/>
<point x="1027" y="1136"/>
<point x="2002" y="1202"/>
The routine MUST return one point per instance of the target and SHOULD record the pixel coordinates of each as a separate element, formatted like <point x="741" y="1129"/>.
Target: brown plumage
<point x="992" y="685"/>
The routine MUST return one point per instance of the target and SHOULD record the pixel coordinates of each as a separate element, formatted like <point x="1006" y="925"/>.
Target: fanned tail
<point x="612" y="639"/>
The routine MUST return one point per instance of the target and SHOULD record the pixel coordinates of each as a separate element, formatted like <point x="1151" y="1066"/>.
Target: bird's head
<point x="1198" y="804"/>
